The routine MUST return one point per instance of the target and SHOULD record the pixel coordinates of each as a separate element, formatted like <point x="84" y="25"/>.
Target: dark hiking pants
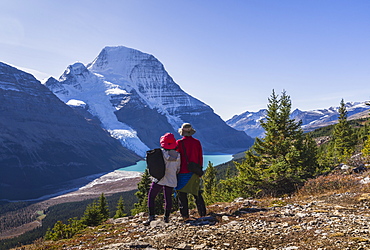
<point x="184" y="206"/>
<point x="153" y="191"/>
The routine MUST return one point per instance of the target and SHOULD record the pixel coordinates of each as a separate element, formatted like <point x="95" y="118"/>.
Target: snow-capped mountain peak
<point x="118" y="60"/>
<point x="137" y="101"/>
<point x="132" y="69"/>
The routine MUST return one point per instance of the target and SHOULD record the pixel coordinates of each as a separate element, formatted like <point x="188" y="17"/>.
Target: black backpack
<point x="155" y="163"/>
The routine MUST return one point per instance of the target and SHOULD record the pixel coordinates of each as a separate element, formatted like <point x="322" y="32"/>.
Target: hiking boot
<point x="184" y="218"/>
<point x="150" y="219"/>
<point x="167" y="215"/>
<point x="166" y="219"/>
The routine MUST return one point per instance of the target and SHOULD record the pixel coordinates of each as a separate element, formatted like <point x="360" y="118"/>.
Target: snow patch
<point x="76" y="103"/>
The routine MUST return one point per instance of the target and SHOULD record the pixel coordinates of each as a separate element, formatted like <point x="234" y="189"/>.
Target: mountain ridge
<point x="44" y="143"/>
<point x="249" y="122"/>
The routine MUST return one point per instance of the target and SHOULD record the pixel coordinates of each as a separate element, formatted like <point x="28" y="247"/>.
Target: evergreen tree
<point x="103" y="207"/>
<point x="343" y="136"/>
<point x="209" y="184"/>
<point x="280" y="161"/>
<point x="362" y="134"/>
<point x="267" y="147"/>
<point x="120" y="209"/>
<point x="228" y="172"/>
<point x="75" y="226"/>
<point x="64" y="231"/>
<point x="310" y="157"/>
<point x="366" y="149"/>
<point x="92" y="215"/>
<point x="142" y="194"/>
<point x="57" y="233"/>
<point x="287" y="156"/>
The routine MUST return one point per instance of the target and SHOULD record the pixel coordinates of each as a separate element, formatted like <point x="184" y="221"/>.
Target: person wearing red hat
<point x="169" y="181"/>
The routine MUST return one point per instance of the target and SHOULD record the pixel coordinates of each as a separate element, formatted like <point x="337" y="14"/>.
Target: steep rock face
<point x="249" y="122"/>
<point x="137" y="101"/>
<point x="44" y="142"/>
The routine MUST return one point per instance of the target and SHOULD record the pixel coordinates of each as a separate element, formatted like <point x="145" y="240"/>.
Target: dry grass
<point x="336" y="183"/>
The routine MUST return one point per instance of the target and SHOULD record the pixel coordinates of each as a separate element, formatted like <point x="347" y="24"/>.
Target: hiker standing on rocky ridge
<point x="169" y="181"/>
<point x="188" y="182"/>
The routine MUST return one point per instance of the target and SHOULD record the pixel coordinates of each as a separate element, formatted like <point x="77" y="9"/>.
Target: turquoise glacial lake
<point x="140" y="166"/>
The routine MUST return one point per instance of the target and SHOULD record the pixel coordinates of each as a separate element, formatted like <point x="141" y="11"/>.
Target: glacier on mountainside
<point x="137" y="101"/>
<point x="78" y="83"/>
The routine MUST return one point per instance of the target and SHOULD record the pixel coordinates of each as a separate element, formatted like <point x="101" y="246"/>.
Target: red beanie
<point x="168" y="141"/>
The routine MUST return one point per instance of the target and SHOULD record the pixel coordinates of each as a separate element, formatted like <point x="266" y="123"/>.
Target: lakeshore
<point x="91" y="187"/>
<point x="120" y="180"/>
<point x="214" y="159"/>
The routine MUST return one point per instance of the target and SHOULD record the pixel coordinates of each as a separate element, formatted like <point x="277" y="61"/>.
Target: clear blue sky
<point x="229" y="54"/>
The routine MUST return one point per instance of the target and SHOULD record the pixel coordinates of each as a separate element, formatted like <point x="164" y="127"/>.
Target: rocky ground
<point x="331" y="221"/>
